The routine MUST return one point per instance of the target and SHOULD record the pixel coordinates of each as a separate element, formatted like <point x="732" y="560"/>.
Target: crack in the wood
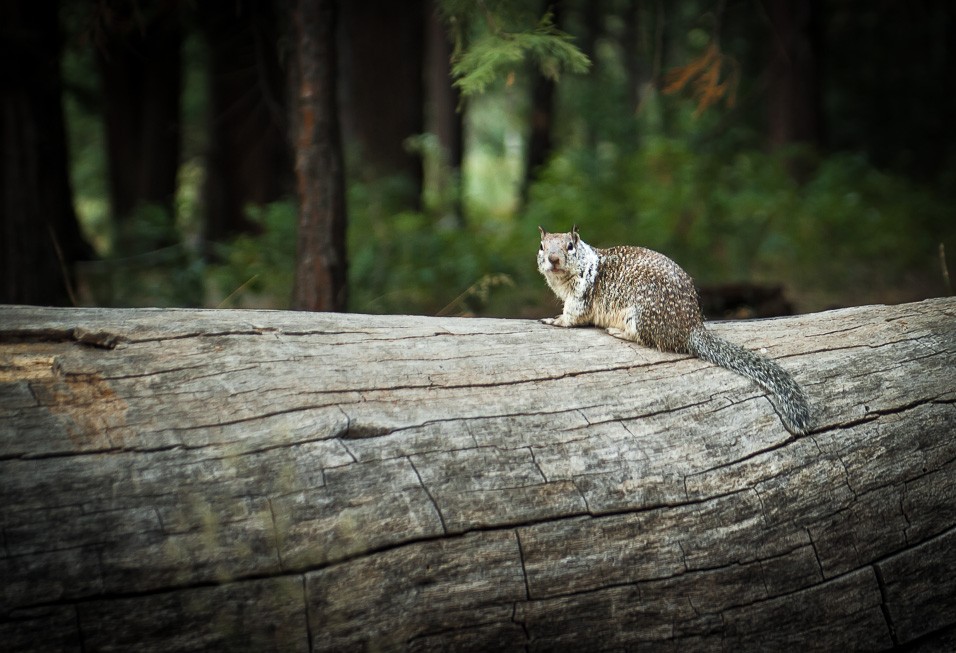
<point x="587" y="591"/>
<point x="620" y="419"/>
<point x="488" y="384"/>
<point x="524" y="626"/>
<point x="465" y="420"/>
<point x="333" y="436"/>
<point x="199" y="334"/>
<point x="898" y="364"/>
<point x="857" y="497"/>
<point x="820" y="334"/>
<point x="275" y="535"/>
<point x="584" y="498"/>
<point x="106" y="596"/>
<point x="380" y="431"/>
<point x="305" y="607"/>
<point x="234" y="452"/>
<point x="261" y="416"/>
<point x="46" y="455"/>
<point x="916" y="403"/>
<point x="686" y="489"/>
<point x="364" y="431"/>
<point x="156" y="513"/>
<point x="763" y="506"/>
<point x="534" y="461"/>
<point x="884" y="604"/>
<point x="816" y="553"/>
<point x="524" y="569"/>
<point x="908" y="316"/>
<point x="763" y="578"/>
<point x="214" y="373"/>
<point x="584" y="417"/>
<point x="154" y="591"/>
<point x="683" y="555"/>
<point x="851" y="424"/>
<point x="906" y="518"/>
<point x="348" y="450"/>
<point x="428" y="493"/>
<point x="509" y="526"/>
<point x="694" y="609"/>
<point x="299" y="334"/>
<point x="873" y="415"/>
<point x="846" y="475"/>
<point x="753" y="454"/>
<point x="919" y="340"/>
<point x="149" y="373"/>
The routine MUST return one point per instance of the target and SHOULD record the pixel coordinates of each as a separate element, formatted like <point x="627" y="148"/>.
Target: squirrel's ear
<point x="574" y="233"/>
<point x="543" y="232"/>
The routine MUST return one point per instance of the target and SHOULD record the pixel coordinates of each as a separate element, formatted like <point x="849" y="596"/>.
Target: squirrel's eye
<point x="570" y="246"/>
<point x="541" y="248"/>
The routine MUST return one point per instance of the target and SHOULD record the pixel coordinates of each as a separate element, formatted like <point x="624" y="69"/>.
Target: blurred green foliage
<point x="849" y="231"/>
<point x="256" y="270"/>
<point x="496" y="52"/>
<point x="701" y="188"/>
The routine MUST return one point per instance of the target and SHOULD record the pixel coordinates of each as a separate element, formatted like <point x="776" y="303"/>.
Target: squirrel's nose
<point x="554" y="259"/>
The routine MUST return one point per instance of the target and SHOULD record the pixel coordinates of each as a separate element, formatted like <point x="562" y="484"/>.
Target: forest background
<point x="173" y="153"/>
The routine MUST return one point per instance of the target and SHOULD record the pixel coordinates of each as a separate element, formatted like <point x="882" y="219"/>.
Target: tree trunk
<point x="262" y="480"/>
<point x="321" y="262"/>
<point x="445" y="119"/>
<point x="793" y="93"/>
<point x="40" y="238"/>
<point x="542" y="117"/>
<point x="140" y="64"/>
<point x="383" y="88"/>
<point x="249" y="160"/>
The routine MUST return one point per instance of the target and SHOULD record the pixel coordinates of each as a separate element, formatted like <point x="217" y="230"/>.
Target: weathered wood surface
<point x="254" y="480"/>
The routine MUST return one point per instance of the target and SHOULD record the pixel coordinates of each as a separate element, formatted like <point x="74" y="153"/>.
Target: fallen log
<point x="262" y="480"/>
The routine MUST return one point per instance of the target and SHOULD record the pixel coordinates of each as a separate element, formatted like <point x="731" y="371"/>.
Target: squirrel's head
<point x="560" y="254"/>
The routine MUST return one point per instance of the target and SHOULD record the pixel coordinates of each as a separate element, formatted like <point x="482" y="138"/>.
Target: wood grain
<point x="263" y="480"/>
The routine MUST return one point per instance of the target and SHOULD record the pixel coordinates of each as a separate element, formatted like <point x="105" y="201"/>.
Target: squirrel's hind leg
<point x="630" y="326"/>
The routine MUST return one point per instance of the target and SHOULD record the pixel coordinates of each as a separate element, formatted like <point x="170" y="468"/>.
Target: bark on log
<point x="258" y="480"/>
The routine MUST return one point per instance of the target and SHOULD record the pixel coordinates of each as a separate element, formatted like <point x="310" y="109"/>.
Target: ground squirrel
<point x="640" y="295"/>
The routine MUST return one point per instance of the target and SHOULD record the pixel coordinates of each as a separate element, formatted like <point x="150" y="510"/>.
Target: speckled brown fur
<point x="641" y="295"/>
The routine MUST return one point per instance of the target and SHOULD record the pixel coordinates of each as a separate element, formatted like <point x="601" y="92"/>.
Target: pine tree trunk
<point x="445" y="117"/>
<point x="794" y="109"/>
<point x="140" y="63"/>
<point x="541" y="118"/>
<point x="321" y="260"/>
<point x="262" y="480"/>
<point x="383" y="91"/>
<point x="249" y="159"/>
<point x="40" y="239"/>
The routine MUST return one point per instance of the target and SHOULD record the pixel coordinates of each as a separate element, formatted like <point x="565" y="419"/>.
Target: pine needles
<point x="497" y="51"/>
<point x="713" y="76"/>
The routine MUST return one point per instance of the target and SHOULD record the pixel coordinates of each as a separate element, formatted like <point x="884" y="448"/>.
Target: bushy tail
<point x="791" y="401"/>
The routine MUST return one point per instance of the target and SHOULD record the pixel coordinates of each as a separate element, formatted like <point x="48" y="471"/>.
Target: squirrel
<point x="640" y="295"/>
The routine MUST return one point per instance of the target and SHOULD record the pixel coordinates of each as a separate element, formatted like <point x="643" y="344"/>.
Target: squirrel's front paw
<point x="561" y="321"/>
